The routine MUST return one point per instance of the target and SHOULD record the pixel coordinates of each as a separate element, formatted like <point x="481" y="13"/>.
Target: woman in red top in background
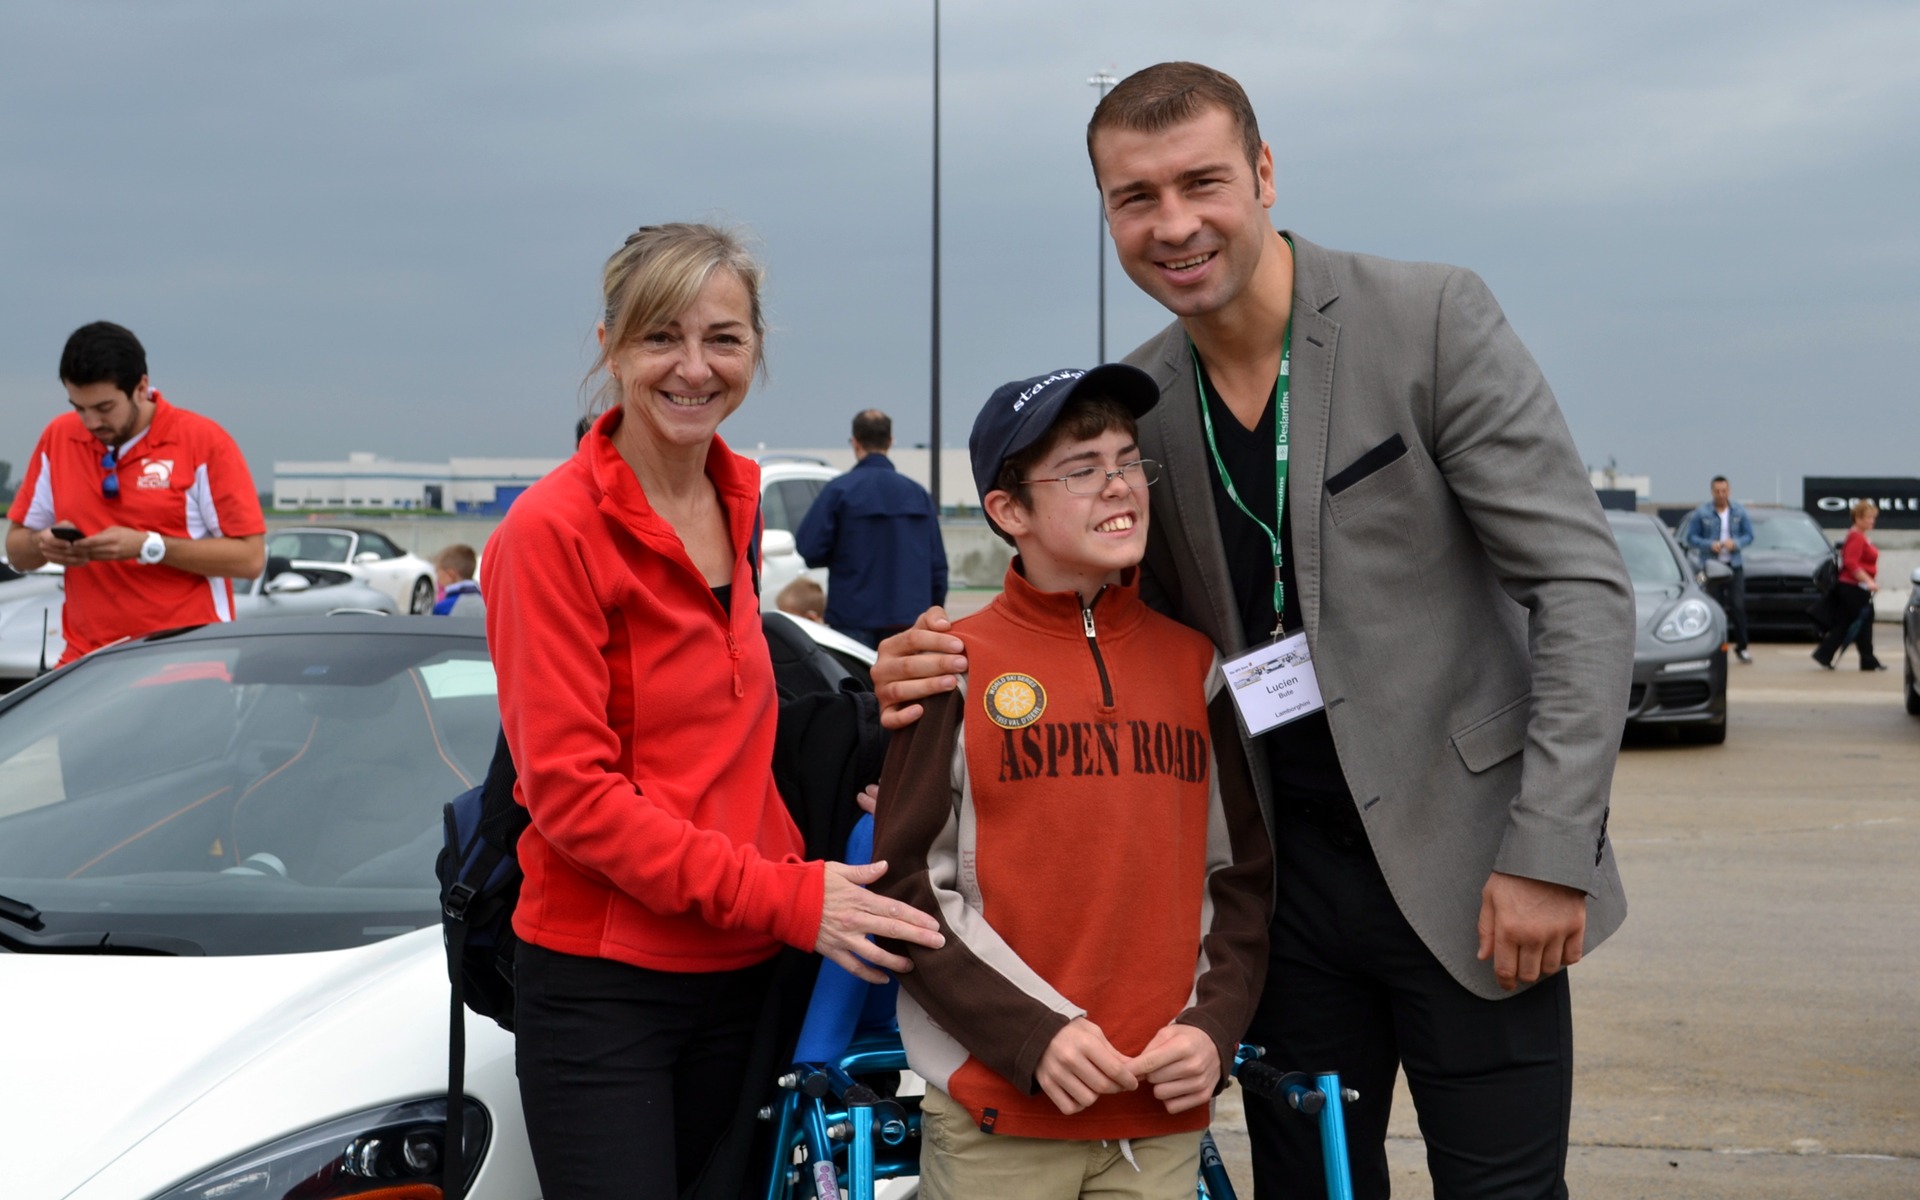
<point x="1854" y="591"/>
<point x="663" y="873"/>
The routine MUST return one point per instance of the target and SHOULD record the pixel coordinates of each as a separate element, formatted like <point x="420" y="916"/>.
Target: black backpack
<point x="479" y="874"/>
<point x="1827" y="573"/>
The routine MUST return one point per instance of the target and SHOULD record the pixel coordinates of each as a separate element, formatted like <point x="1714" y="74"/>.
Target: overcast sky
<point x="354" y="225"/>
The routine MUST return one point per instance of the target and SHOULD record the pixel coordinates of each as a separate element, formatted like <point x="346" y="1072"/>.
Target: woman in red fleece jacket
<point x="662" y="870"/>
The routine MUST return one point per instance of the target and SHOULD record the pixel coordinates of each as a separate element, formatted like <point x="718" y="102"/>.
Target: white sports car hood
<point x="104" y="1053"/>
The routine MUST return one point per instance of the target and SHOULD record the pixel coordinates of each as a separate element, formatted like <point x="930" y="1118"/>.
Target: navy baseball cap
<point x="1019" y="414"/>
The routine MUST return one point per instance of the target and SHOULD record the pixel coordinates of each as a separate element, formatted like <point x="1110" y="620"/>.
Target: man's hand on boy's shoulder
<point x="1080" y="1066"/>
<point x="1182" y="1064"/>
<point x="916" y="663"/>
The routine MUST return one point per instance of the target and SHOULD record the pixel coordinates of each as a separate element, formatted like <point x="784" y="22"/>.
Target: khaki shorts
<point x="958" y="1162"/>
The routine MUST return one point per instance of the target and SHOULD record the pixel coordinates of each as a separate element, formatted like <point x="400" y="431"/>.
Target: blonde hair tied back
<point x="655" y="275"/>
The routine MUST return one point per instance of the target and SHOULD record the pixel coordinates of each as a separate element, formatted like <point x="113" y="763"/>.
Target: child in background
<point x="459" y="594"/>
<point x="803" y="598"/>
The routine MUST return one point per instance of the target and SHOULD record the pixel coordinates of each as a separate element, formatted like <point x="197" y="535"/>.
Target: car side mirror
<point x="366" y="556"/>
<point x="776" y="543"/>
<point x="1916" y="577"/>
<point x="287" y="581"/>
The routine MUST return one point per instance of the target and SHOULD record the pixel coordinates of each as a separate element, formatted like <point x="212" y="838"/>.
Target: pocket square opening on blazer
<point x="1386" y="452"/>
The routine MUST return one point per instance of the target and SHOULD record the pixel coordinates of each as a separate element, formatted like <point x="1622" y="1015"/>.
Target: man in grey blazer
<point x="1440" y="822"/>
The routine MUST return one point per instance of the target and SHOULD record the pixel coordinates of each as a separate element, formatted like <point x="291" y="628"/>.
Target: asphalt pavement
<point x="1753" y="1031"/>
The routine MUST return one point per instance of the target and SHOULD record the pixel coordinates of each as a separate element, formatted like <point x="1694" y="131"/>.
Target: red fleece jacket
<point x="641" y="718"/>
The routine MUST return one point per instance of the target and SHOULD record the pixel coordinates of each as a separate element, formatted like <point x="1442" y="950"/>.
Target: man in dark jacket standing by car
<point x="878" y="535"/>
<point x="1720" y="529"/>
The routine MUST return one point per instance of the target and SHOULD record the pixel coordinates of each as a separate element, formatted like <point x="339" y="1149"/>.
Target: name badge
<point x="1274" y="684"/>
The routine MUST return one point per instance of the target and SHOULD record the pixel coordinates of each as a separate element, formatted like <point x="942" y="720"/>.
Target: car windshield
<point x="314" y="545"/>
<point x="251" y="795"/>
<point x="1789" y="532"/>
<point x="1649" y="561"/>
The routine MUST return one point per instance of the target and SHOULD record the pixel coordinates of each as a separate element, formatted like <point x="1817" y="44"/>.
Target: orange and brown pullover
<point x="1063" y="816"/>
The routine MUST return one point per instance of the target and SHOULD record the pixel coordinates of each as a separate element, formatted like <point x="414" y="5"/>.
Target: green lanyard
<point x="1282" y="393"/>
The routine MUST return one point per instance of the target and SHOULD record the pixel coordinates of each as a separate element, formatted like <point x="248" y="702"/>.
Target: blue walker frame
<point x="832" y="1132"/>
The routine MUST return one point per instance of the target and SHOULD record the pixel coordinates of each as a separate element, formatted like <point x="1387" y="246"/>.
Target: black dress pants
<point x="628" y="1076"/>
<point x="1849" y="602"/>
<point x="1352" y="988"/>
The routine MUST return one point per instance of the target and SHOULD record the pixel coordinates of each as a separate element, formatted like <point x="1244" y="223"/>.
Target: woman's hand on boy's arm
<point x="851" y="916"/>
<point x="1182" y="1064"/>
<point x="1081" y="1065"/>
<point x="915" y="663"/>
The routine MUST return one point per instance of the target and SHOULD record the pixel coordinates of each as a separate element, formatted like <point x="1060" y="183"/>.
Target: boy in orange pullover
<point x="1102" y="879"/>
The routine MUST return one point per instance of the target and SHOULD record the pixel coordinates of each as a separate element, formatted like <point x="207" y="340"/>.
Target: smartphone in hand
<point x="67" y="533"/>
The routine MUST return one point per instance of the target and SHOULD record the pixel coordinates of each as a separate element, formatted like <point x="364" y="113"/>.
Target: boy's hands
<point x="1080" y="1066"/>
<point x="1182" y="1064"/>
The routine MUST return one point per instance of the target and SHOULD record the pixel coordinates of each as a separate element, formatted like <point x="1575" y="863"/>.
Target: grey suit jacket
<point x="1469" y="614"/>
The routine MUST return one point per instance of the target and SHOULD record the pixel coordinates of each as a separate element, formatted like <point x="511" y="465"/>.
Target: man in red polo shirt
<point x="150" y="508"/>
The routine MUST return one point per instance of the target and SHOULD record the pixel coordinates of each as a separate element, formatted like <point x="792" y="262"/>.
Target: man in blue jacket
<point x="1720" y="529"/>
<point x="878" y="535"/>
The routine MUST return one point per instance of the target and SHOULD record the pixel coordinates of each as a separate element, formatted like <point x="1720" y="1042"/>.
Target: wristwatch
<point x="153" y="549"/>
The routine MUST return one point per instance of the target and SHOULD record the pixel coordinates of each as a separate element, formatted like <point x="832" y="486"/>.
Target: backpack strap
<point x="498" y="814"/>
<point x="753" y="546"/>
<point x="453" y="1177"/>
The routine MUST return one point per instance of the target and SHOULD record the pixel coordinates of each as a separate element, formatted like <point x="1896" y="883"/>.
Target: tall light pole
<point x="1101" y="81"/>
<point x="933" y="440"/>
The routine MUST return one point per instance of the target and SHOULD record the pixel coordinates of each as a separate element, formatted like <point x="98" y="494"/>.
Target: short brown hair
<point x="1083" y="418"/>
<point x="1162" y="96"/>
<point x="458" y="558"/>
<point x="1862" y="507"/>
<point x="873" y="429"/>
<point x="803" y="598"/>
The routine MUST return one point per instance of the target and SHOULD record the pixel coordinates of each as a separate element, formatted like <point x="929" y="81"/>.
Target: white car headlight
<point x="1689" y="619"/>
<point x="384" y="1152"/>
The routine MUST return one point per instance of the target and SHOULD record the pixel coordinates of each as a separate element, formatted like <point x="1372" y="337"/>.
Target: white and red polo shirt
<point x="183" y="477"/>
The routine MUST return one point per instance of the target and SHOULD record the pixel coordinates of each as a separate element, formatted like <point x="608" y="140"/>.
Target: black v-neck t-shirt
<point x="1307" y="780"/>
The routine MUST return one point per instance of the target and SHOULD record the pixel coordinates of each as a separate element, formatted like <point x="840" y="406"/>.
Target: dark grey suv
<point x="1782" y="598"/>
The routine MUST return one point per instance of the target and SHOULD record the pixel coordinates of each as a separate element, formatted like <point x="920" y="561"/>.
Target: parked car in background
<point x="220" y="952"/>
<point x="284" y="590"/>
<point x="1782" y="597"/>
<point x="30" y="609"/>
<point x="1679" y="653"/>
<point x="370" y="557"/>
<point x="788" y="487"/>
<point x="1910" y="639"/>
<point x="30" y="638"/>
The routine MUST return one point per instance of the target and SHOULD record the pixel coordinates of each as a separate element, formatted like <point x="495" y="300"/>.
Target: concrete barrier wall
<point x="978" y="557"/>
<point x="974" y="553"/>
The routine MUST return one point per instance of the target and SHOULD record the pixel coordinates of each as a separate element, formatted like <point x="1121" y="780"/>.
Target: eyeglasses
<point x="1091" y="481"/>
<point x="110" y="483"/>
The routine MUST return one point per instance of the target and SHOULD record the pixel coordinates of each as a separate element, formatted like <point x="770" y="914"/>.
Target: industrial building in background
<point x="473" y="486"/>
<point x="489" y="486"/>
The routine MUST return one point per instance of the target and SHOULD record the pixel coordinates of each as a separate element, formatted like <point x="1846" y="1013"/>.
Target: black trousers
<point x="628" y="1076"/>
<point x="1737" y="606"/>
<point x="1849" y="601"/>
<point x="1351" y="987"/>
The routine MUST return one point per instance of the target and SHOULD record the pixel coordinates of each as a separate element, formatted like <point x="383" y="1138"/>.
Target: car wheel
<point x="422" y="602"/>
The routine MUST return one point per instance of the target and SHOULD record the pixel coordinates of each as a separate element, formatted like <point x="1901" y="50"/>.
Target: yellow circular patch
<point x="1015" y="701"/>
